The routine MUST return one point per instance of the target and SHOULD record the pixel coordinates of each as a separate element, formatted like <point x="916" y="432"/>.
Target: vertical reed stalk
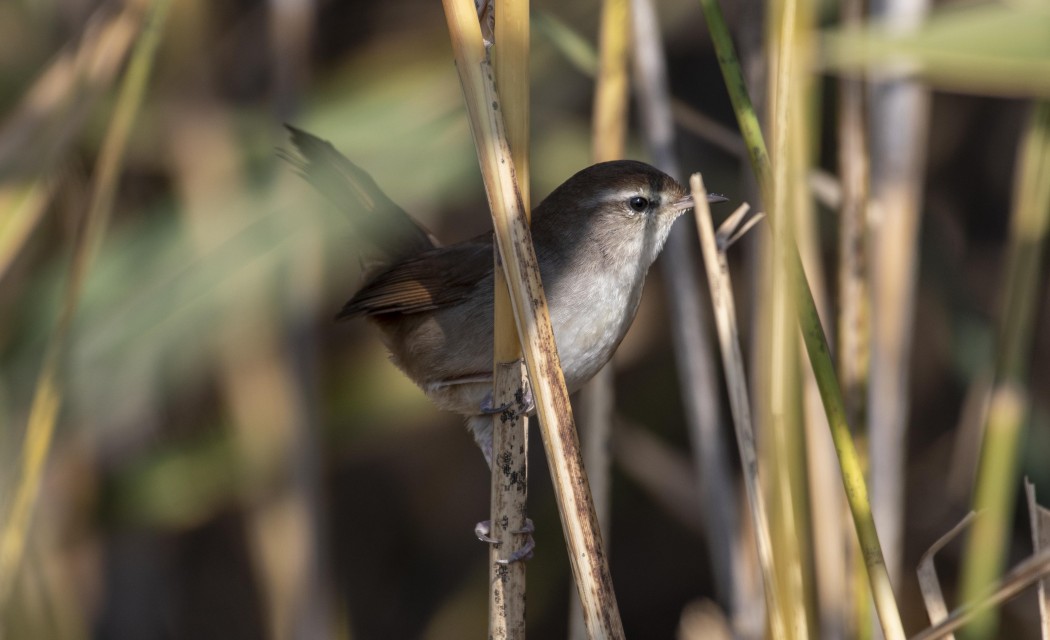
<point x="783" y="430"/>
<point x="899" y="117"/>
<point x="579" y="521"/>
<point x="610" y="93"/>
<point x="736" y="381"/>
<point x="608" y="139"/>
<point x="510" y="437"/>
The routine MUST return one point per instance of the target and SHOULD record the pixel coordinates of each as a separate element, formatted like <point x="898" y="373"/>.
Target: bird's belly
<point x="589" y="327"/>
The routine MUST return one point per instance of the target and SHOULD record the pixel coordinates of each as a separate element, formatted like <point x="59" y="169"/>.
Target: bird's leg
<point x="481" y="427"/>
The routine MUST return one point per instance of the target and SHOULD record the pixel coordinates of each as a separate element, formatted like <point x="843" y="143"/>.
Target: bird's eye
<point x="638" y="204"/>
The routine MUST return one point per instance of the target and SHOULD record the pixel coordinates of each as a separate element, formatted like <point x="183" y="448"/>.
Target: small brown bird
<point x="595" y="236"/>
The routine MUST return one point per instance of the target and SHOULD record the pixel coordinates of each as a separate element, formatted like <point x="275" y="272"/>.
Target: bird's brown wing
<point x="386" y="226"/>
<point x="438" y="278"/>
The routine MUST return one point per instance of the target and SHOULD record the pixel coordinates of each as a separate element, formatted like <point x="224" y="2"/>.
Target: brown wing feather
<point x="439" y="278"/>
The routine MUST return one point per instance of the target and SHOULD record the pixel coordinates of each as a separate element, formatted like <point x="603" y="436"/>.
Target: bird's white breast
<point x="591" y="317"/>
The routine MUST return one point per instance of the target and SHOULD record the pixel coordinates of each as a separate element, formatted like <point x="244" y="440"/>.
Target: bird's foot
<point x="523" y="403"/>
<point x="483" y="530"/>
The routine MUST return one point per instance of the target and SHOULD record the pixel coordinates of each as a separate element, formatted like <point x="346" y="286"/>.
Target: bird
<point x="595" y="236"/>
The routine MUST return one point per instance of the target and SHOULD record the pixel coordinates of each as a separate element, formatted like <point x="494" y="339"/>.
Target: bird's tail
<point x="391" y="232"/>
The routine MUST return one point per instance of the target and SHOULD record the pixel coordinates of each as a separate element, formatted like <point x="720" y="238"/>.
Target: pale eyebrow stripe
<point x="622" y="194"/>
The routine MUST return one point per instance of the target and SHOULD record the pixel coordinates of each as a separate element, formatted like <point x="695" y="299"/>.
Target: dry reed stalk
<point x="579" y="521"/>
<point x="510" y="434"/>
<point x="898" y="122"/>
<point x="47" y="398"/>
<point x="608" y="139"/>
<point x="609" y="129"/>
<point x="929" y="584"/>
<point x="1031" y="570"/>
<point x="736" y="381"/>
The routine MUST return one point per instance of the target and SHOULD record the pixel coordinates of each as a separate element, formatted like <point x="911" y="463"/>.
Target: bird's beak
<point x="686" y="202"/>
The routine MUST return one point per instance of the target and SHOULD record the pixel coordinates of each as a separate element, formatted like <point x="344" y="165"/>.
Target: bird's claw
<point x="523" y="403"/>
<point x="522" y="554"/>
<point x="483" y="530"/>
